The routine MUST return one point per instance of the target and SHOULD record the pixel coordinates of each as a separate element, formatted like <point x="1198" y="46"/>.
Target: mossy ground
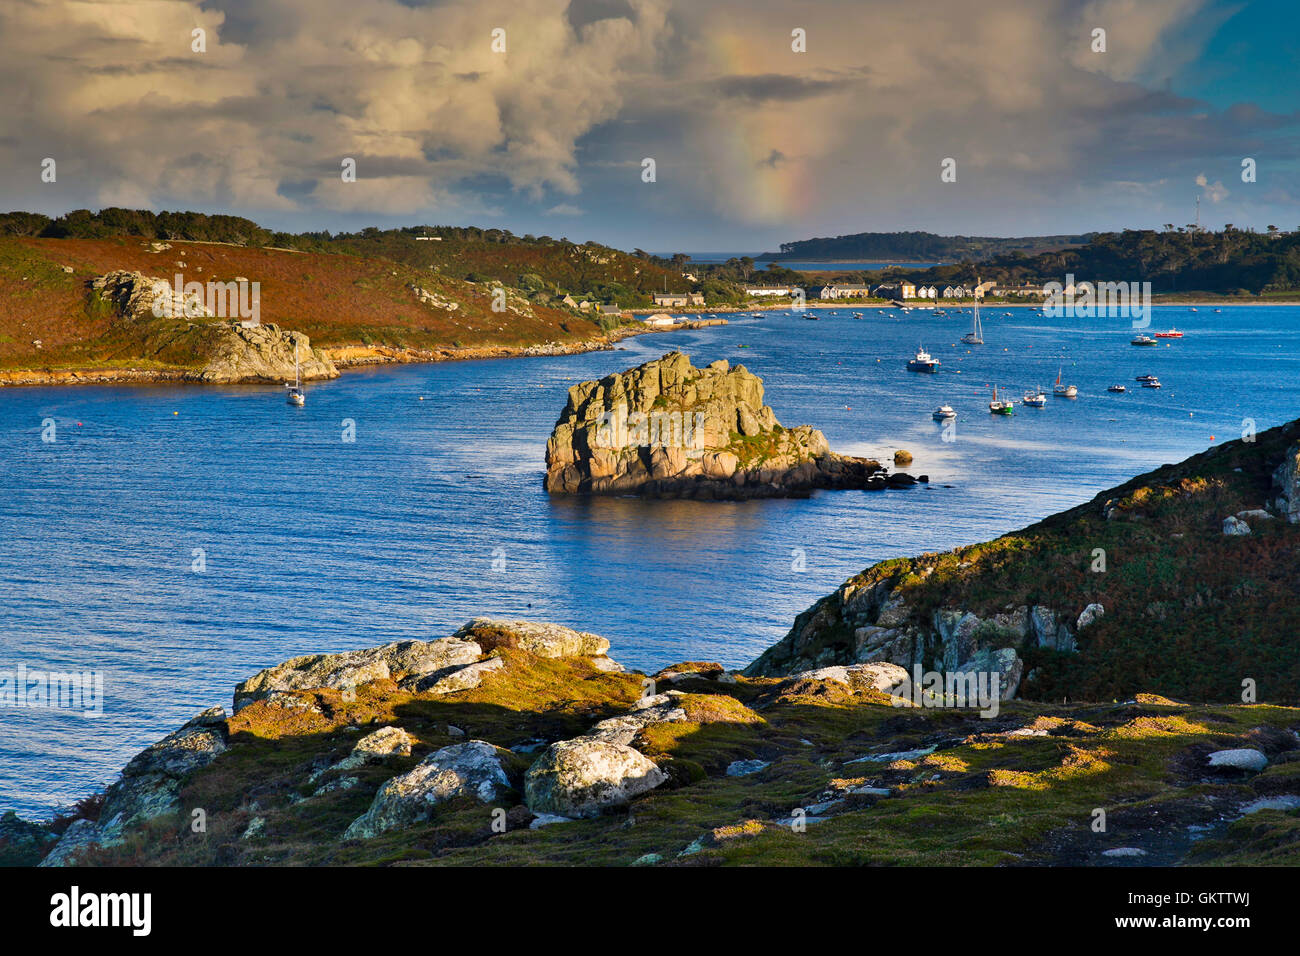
<point x="982" y="797"/>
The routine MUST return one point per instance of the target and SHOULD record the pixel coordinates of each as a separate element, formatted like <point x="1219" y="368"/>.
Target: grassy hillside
<point x="337" y="299"/>
<point x="542" y="267"/>
<point x="1189" y="612"/>
<point x="919" y="246"/>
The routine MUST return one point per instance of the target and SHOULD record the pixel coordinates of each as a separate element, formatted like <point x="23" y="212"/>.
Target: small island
<point x="670" y="430"/>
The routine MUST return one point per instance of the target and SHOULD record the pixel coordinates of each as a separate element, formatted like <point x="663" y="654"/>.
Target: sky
<point x="766" y="121"/>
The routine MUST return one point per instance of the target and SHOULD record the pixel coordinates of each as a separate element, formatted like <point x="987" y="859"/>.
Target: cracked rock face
<point x="668" y="428"/>
<point x="471" y="769"/>
<point x="265" y="353"/>
<point x="583" y="777"/>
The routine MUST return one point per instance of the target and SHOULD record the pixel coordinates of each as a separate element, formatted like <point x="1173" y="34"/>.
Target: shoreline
<point x="928" y="304"/>
<point x="344" y="357"/>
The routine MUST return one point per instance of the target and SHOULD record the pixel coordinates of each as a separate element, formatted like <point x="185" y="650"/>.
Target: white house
<point x="768" y="290"/>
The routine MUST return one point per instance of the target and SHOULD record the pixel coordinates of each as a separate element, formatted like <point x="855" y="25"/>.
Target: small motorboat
<point x="1001" y="406"/>
<point x="1035" y="399"/>
<point x="1145" y="378"/>
<point x="1117" y="388"/>
<point x="1143" y="340"/>
<point x="944" y="413"/>
<point x="1151" y="383"/>
<point x="924" y="362"/>
<point x="1170" y="333"/>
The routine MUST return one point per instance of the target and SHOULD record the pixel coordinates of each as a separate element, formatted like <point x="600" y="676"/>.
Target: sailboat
<point x="296" y="396"/>
<point x="1065" y="391"/>
<point x="976" y="334"/>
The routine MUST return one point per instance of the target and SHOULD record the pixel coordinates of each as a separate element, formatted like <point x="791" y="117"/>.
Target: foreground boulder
<point x="584" y="777"/>
<point x="473" y="769"/>
<point x="669" y="429"/>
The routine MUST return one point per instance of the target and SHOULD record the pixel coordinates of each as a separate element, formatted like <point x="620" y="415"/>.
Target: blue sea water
<point x="436" y="513"/>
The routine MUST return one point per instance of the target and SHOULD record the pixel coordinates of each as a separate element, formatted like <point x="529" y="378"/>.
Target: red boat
<point x="1171" y="334"/>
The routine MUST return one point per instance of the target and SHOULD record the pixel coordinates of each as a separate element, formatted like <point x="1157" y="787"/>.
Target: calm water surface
<point x="314" y="544"/>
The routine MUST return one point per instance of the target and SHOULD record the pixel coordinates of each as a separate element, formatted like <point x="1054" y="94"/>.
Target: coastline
<point x="345" y="357"/>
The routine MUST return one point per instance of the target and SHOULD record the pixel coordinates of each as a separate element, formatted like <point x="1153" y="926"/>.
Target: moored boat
<point x="1035" y="398"/>
<point x="976" y="334"/>
<point x="1142" y="340"/>
<point x="924" y="362"/>
<point x="294" y="393"/>
<point x="1001" y="406"/>
<point x="1063" y="391"/>
<point x="944" y="412"/>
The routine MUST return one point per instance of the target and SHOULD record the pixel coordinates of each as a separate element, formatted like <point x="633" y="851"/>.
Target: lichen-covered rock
<point x="264" y="353"/>
<point x="879" y="676"/>
<point x="1004" y="663"/>
<point x="1244" y="758"/>
<point x="669" y="429"/>
<point x="472" y="769"/>
<point x="1286" y="483"/>
<point x="149" y="786"/>
<point x="584" y="777"/>
<point x="374" y="748"/>
<point x="1232" y="525"/>
<point x="536" y="637"/>
<point x="657" y="709"/>
<point x="464" y="677"/>
<point x="398" y="661"/>
<point x="80" y="835"/>
<point x="1089" y="615"/>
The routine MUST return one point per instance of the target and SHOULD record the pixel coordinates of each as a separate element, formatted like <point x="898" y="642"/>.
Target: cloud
<point x="1215" y="192"/>
<point x="286" y="88"/>
<point x="747" y="133"/>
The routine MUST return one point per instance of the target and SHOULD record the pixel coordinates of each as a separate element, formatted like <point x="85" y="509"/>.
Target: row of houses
<point x="900" y="290"/>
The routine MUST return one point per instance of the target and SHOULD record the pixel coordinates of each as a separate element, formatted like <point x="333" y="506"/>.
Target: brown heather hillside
<point x="337" y="300"/>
